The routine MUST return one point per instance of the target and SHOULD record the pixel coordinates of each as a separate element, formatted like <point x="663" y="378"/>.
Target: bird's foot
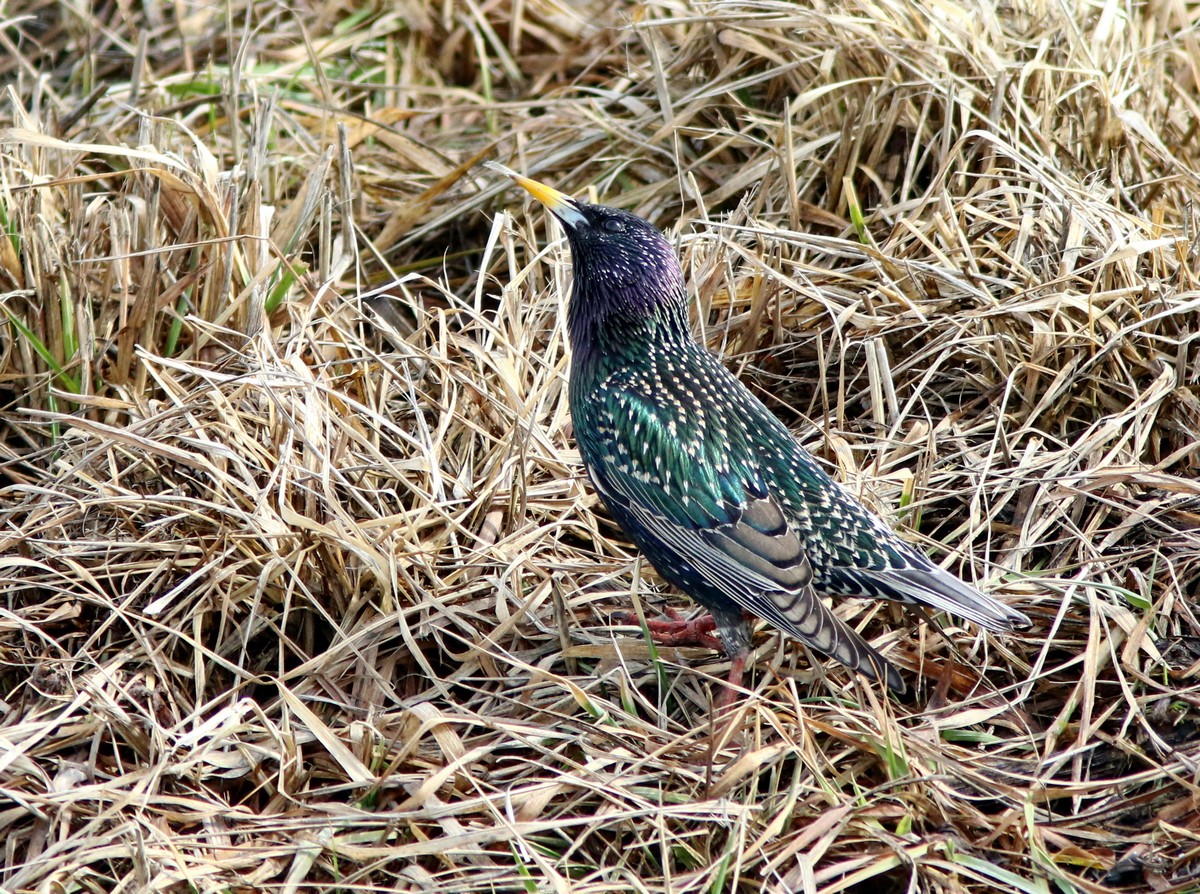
<point x="678" y="631"/>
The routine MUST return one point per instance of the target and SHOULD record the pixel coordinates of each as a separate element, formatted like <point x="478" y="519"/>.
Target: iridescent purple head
<point x="626" y="279"/>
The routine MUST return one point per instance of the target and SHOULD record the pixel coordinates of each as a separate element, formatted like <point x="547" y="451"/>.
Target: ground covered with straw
<point x="302" y="587"/>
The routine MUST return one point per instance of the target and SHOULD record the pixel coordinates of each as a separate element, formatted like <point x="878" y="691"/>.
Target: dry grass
<point x="306" y="592"/>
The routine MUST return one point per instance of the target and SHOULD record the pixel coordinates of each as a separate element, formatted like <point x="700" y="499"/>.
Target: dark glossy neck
<point x="622" y="324"/>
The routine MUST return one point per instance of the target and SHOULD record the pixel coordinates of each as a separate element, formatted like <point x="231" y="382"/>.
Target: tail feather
<point x="944" y="592"/>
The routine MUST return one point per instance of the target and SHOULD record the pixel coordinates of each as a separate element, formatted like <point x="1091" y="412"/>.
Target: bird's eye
<point x="613" y="225"/>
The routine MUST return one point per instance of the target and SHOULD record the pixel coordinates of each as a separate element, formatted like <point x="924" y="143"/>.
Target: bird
<point x="705" y="480"/>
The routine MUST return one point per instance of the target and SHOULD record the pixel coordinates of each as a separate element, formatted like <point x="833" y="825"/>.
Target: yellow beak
<point x="561" y="205"/>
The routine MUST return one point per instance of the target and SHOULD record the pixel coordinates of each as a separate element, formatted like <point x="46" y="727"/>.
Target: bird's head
<point x="626" y="273"/>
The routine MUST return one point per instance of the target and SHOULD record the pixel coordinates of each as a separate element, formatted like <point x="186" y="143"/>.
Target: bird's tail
<point x="942" y="591"/>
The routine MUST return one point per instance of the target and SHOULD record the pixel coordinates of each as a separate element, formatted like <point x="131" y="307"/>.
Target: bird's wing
<point x="720" y="519"/>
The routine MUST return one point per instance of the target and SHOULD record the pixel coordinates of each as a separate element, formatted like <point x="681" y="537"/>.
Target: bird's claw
<point x="678" y="631"/>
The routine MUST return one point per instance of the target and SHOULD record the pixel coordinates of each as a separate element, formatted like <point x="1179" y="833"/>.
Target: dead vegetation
<point x="302" y="586"/>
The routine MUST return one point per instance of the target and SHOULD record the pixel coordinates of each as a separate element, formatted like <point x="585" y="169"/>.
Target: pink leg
<point x="737" y="668"/>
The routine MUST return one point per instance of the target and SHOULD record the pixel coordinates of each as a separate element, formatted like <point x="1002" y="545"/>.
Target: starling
<point x="708" y="483"/>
